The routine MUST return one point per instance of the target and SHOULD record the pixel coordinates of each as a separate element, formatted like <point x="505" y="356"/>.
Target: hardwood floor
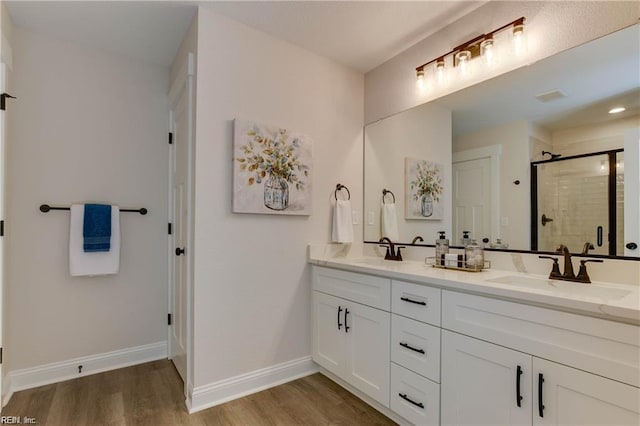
<point x="151" y="394"/>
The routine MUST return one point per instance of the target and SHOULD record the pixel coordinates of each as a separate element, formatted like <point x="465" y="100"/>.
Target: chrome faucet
<point x="391" y="254"/>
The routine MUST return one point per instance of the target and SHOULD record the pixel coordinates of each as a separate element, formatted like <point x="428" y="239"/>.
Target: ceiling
<point x="358" y="34"/>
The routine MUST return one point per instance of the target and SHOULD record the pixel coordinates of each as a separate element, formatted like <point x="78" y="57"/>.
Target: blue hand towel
<point x="96" y="228"/>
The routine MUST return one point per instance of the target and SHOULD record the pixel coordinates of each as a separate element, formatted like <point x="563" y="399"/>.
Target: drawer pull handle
<point x="417" y="302"/>
<point x="518" y="396"/>
<point x="540" y="404"/>
<point x="346" y="327"/>
<point x="406" y="345"/>
<point x="339" y="310"/>
<point x="406" y="398"/>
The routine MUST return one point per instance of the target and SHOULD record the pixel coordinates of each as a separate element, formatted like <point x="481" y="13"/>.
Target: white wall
<point x="551" y="27"/>
<point x="515" y="200"/>
<point x="424" y="133"/>
<point x="87" y="126"/>
<point x="252" y="282"/>
<point x="593" y="137"/>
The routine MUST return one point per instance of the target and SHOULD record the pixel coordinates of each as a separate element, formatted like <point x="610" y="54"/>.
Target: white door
<point x="481" y="383"/>
<point x="329" y="346"/>
<point x="472" y="199"/>
<point x="574" y="397"/>
<point x="631" y="193"/>
<point x="368" y="330"/>
<point x="181" y="112"/>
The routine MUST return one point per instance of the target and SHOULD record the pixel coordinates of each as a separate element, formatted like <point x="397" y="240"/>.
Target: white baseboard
<point x="213" y="394"/>
<point x="59" y="371"/>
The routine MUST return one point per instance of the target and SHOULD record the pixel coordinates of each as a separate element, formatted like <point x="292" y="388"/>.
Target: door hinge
<point x="3" y="98"/>
<point x="170" y="138"/>
<point x="169" y="319"/>
<point x="169" y="228"/>
<point x="1" y="228"/>
<point x="0" y="355"/>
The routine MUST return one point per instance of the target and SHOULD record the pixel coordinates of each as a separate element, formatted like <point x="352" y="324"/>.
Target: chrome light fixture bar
<point x="482" y="45"/>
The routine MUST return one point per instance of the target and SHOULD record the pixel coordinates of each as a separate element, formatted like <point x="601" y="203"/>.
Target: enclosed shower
<point x="578" y="201"/>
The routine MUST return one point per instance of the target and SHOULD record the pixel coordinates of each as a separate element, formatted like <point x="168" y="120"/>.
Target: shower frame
<point x="611" y="194"/>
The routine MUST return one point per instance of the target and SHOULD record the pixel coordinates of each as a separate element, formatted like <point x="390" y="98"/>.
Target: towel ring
<point x="385" y="192"/>
<point x="338" y="188"/>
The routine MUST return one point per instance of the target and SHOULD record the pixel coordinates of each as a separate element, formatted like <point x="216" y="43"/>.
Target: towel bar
<point x="338" y="188"/>
<point x="44" y="208"/>
<point x="385" y="192"/>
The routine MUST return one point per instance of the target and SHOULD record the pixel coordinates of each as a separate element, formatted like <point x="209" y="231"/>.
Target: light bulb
<point x="420" y="78"/>
<point x="519" y="42"/>
<point x="487" y="51"/>
<point x="440" y="71"/>
<point x="462" y="59"/>
<point x="617" y="110"/>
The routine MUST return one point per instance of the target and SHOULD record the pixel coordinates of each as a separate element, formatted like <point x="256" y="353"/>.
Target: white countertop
<point x="618" y="302"/>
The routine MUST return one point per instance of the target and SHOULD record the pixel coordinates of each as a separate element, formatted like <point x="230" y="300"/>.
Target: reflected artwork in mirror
<point x="536" y="129"/>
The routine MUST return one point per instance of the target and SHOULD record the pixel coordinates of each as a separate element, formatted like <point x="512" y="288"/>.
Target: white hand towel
<point x="389" y="221"/>
<point x="342" y="222"/>
<point x="82" y="263"/>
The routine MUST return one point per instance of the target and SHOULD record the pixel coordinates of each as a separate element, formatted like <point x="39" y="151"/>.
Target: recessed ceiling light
<point x="617" y="110"/>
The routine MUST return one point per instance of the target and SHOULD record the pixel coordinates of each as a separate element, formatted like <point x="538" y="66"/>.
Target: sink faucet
<point x="587" y="246"/>
<point x="391" y="254"/>
<point x="568" y="266"/>
<point x="568" y="275"/>
<point x="416" y="239"/>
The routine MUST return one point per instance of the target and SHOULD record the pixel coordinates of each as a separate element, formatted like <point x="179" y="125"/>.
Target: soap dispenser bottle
<point x="465" y="238"/>
<point x="442" y="248"/>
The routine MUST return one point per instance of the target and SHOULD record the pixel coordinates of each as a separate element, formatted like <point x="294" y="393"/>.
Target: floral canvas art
<point x="423" y="190"/>
<point x="271" y="170"/>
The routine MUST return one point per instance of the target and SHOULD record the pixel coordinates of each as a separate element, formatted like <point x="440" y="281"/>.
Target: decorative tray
<point x="461" y="265"/>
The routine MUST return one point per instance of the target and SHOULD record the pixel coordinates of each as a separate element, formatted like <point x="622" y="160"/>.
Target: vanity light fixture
<point x="483" y="45"/>
<point x="617" y="110"/>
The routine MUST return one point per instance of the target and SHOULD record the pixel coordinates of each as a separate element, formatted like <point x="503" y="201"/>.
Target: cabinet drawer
<point x="413" y="397"/>
<point x="365" y="289"/>
<point x="416" y="301"/>
<point x="603" y="347"/>
<point x="416" y="346"/>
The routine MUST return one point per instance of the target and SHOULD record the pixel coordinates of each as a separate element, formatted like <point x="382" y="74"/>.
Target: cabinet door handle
<point x="540" y="404"/>
<point x="417" y="302"/>
<point x="406" y="345"/>
<point x="406" y="398"/>
<point x="339" y="310"/>
<point x="518" y="396"/>
<point x="346" y="327"/>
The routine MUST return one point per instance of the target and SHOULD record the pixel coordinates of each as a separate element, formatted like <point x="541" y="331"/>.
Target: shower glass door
<point x="573" y="205"/>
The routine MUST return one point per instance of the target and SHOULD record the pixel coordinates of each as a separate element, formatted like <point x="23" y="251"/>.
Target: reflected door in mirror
<point x="472" y="199"/>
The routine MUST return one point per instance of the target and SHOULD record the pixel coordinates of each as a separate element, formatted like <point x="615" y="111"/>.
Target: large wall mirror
<point x="531" y="158"/>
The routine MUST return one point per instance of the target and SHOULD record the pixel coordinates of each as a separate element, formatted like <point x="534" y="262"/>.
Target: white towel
<point x="342" y="222"/>
<point x="92" y="263"/>
<point x="389" y="221"/>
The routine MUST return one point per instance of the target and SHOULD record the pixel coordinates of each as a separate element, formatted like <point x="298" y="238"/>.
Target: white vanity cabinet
<point x="481" y="383"/>
<point x="351" y="339"/>
<point x="484" y="383"/>
<point x="440" y="356"/>
<point x="415" y="352"/>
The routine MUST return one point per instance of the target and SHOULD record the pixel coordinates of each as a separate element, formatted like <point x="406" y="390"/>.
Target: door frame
<point x="492" y="152"/>
<point x="611" y="196"/>
<point x="182" y="82"/>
